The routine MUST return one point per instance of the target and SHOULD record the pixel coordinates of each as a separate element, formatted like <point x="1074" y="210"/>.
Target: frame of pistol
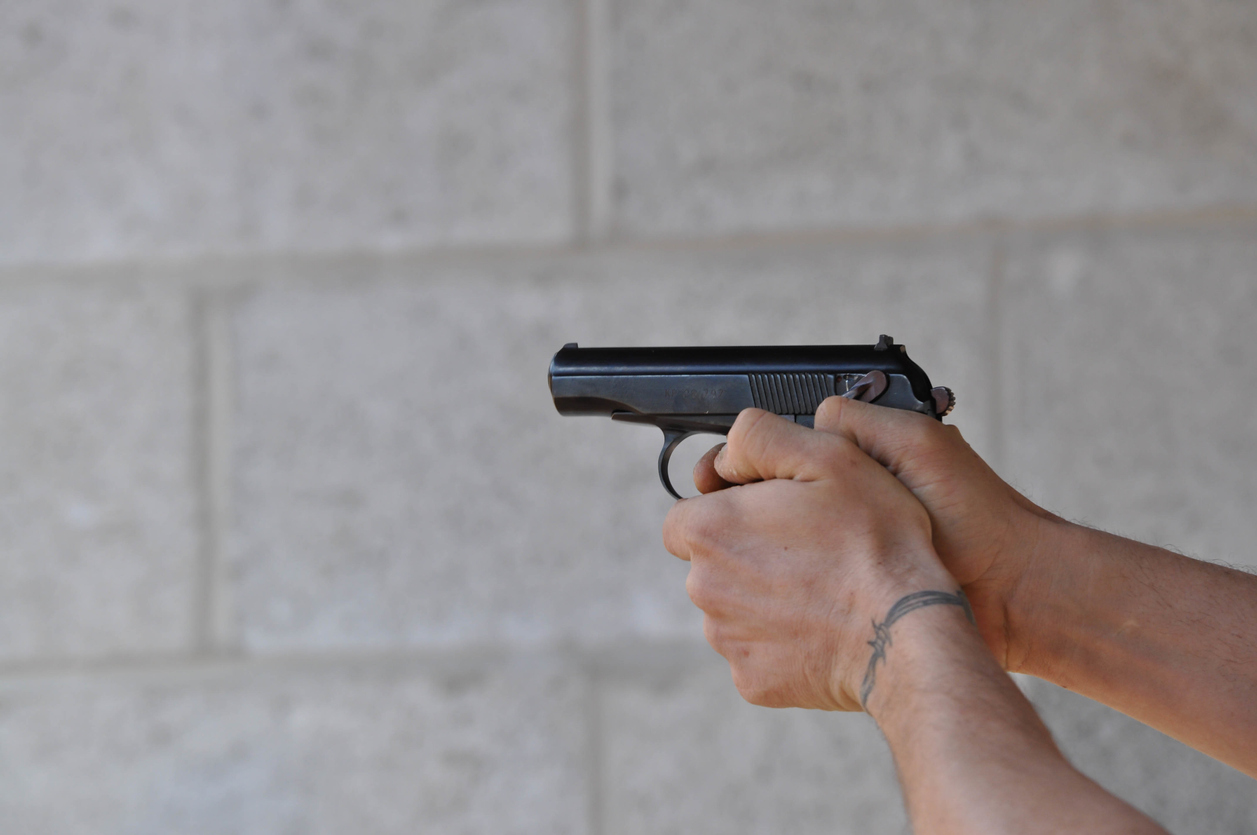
<point x="701" y="390"/>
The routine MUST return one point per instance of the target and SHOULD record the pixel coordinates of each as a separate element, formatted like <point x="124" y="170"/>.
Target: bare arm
<point x="1166" y="639"/>
<point x="971" y="753"/>
<point x="821" y="586"/>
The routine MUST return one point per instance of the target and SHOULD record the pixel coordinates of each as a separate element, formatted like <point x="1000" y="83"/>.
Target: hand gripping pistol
<point x="692" y="391"/>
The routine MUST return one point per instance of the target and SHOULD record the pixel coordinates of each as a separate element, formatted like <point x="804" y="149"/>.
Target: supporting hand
<point x="986" y="533"/>
<point x="794" y="568"/>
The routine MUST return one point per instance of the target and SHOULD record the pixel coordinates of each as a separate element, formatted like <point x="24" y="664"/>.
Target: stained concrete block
<point x="98" y="506"/>
<point x="401" y="476"/>
<point x="340" y="750"/>
<point x="1131" y="384"/>
<point x="743" y="115"/>
<point x="1185" y="791"/>
<point x="684" y="754"/>
<point x="148" y="127"/>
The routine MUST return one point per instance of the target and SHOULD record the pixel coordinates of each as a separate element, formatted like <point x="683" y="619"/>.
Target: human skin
<point x="817" y="573"/>
<point x="1164" y="638"/>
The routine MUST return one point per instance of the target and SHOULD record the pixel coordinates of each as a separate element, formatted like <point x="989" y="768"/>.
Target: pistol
<point x="693" y="391"/>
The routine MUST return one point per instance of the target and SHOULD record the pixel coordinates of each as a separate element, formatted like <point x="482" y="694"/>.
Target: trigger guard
<point x="671" y="440"/>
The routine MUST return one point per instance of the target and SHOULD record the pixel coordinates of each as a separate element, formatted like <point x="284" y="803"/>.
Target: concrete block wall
<point x="293" y="540"/>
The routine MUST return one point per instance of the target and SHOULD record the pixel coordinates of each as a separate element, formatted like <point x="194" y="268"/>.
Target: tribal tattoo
<point x="906" y="604"/>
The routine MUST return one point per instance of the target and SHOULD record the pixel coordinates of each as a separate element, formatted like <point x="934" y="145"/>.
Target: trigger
<point x="671" y="440"/>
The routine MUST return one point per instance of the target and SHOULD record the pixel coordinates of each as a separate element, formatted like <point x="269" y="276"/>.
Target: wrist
<point x="881" y="587"/>
<point x="1049" y="591"/>
<point x="970" y="751"/>
<point x="908" y="626"/>
<point x="941" y="685"/>
<point x="934" y="656"/>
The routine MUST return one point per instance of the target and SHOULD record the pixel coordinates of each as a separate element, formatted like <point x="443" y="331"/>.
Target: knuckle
<point x="832" y="455"/>
<point x="829" y="412"/>
<point x="754" y="688"/>
<point x="836" y="454"/>
<point x="745" y="424"/>
<point x="695" y="526"/>
<point x="951" y="435"/>
<point x="749" y="432"/>
<point x="707" y="527"/>
<point x="868" y="523"/>
<point x="701" y="594"/>
<point x="674" y="539"/>
<point x="747" y="687"/>
<point x="714" y="633"/>
<point x="922" y="429"/>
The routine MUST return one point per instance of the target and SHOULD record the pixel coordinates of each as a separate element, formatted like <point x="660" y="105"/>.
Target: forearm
<point x="1156" y="635"/>
<point x="971" y="753"/>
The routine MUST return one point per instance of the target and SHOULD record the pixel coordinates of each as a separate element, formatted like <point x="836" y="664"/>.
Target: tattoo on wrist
<point x="881" y="631"/>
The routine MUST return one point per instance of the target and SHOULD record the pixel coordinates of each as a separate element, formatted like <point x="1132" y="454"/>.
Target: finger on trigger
<point x="706" y="479"/>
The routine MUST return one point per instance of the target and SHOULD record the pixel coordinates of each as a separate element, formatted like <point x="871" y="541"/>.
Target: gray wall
<point x="292" y="539"/>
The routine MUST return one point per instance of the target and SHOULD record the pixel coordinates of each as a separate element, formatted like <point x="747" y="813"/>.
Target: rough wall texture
<point x="293" y="540"/>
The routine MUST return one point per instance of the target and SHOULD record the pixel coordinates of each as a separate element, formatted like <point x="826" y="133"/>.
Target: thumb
<point x="764" y="446"/>
<point x="892" y="437"/>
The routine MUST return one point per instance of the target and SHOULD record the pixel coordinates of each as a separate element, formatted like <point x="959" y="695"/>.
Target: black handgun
<point x="691" y="391"/>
